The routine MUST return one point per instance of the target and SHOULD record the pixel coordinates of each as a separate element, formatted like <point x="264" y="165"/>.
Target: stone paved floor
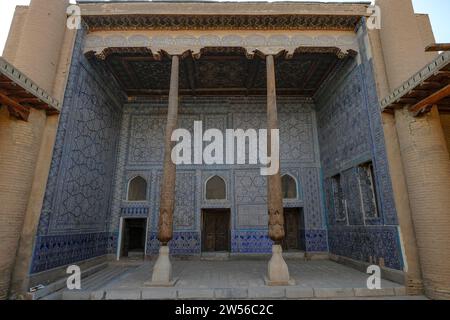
<point x="234" y="279"/>
<point x="249" y="273"/>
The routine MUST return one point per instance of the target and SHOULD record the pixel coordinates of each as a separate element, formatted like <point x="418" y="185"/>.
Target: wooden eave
<point x="19" y="93"/>
<point x="430" y="86"/>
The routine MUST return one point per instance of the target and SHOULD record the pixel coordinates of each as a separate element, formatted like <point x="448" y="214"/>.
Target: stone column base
<point x="162" y="270"/>
<point x="278" y="272"/>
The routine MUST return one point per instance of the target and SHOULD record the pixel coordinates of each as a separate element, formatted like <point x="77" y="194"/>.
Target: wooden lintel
<point x="438" y="47"/>
<point x="14" y="107"/>
<point x="430" y="100"/>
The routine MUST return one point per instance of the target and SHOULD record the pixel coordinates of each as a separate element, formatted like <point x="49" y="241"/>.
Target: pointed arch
<point x="137" y="189"/>
<point x="289" y="187"/>
<point x="215" y="188"/>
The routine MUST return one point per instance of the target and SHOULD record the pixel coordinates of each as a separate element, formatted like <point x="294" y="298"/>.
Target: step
<point x="95" y="282"/>
<point x="262" y="292"/>
<point x="56" y="286"/>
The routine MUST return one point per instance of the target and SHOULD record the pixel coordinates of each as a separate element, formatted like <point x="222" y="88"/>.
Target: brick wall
<point x="15" y="33"/>
<point x="426" y="164"/>
<point x="445" y="120"/>
<point x="19" y="147"/>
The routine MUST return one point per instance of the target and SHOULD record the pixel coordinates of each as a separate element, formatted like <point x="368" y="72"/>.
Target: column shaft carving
<point x="274" y="194"/>
<point x="167" y="197"/>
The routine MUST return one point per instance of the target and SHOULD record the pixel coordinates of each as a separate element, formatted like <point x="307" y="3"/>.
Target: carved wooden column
<point x="162" y="271"/>
<point x="278" y="273"/>
<point x="274" y="193"/>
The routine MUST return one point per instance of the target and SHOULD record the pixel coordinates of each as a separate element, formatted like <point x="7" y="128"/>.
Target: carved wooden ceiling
<point x="216" y="71"/>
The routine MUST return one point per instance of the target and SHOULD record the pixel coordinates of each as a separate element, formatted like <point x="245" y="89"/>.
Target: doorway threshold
<point x="215" y="256"/>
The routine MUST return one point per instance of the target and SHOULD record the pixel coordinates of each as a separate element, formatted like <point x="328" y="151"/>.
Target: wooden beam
<point x="432" y="84"/>
<point x="430" y="100"/>
<point x="438" y="47"/>
<point x="307" y="76"/>
<point x="190" y="68"/>
<point x="131" y="73"/>
<point x="253" y="66"/>
<point x="14" y="107"/>
<point x="443" y="73"/>
<point x="407" y="100"/>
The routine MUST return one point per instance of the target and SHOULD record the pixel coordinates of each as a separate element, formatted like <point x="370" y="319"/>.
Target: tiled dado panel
<point x="369" y="244"/>
<point x="182" y="243"/>
<point x="242" y="241"/>
<point x="76" y="208"/>
<point x="57" y="250"/>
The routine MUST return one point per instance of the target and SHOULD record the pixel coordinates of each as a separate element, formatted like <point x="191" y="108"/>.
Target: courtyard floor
<point x="231" y="279"/>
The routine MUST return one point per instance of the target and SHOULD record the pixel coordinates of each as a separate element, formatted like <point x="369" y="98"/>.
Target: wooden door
<point x="291" y="227"/>
<point x="216" y="229"/>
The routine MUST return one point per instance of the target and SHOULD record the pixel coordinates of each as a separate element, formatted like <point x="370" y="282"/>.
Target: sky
<point x="437" y="9"/>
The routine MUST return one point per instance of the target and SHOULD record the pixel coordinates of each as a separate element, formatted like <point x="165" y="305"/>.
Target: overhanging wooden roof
<point x="221" y="71"/>
<point x="430" y="86"/>
<point x="19" y="93"/>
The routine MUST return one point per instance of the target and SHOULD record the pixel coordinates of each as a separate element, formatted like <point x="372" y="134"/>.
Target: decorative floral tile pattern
<point x="58" y="250"/>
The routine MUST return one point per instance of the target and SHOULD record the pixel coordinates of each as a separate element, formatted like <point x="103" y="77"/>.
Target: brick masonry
<point x="19" y="148"/>
<point x="445" y="121"/>
<point x="427" y="167"/>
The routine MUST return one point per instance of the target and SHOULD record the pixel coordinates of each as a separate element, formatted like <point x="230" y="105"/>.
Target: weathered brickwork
<point x="445" y="121"/>
<point x="19" y="147"/>
<point x="427" y="168"/>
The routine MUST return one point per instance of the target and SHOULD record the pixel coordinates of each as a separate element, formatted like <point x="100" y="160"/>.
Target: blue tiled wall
<point x="75" y="213"/>
<point x="97" y="141"/>
<point x="350" y="133"/>
<point x="140" y="153"/>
